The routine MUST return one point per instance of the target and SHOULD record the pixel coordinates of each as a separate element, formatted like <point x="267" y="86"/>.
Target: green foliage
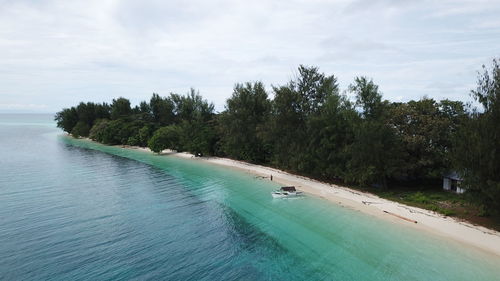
<point x="84" y="113"/>
<point x="195" y="116"/>
<point x="446" y="203"/>
<point x="67" y="119"/>
<point x="191" y="107"/>
<point x="162" y="110"/>
<point x="81" y="129"/>
<point x="166" y="137"/>
<point x="143" y="112"/>
<point x="477" y="145"/>
<point x="116" y="131"/>
<point x="447" y="212"/>
<point x="367" y="96"/>
<point x="143" y="135"/>
<point x="241" y="124"/>
<point x="98" y="131"/>
<point x="376" y="154"/>
<point x="196" y="137"/>
<point x="89" y="112"/>
<point x="295" y="110"/>
<point x="192" y="128"/>
<point x="426" y="129"/>
<point x="120" y="108"/>
<point x="310" y="128"/>
<point x="286" y="128"/>
<point x="330" y="133"/>
<point x="314" y="88"/>
<point x="418" y="197"/>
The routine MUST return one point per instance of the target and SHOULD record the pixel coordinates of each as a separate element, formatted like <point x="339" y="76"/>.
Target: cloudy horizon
<point x="57" y="53"/>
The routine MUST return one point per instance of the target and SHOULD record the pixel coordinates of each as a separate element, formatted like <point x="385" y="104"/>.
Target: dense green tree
<point x="376" y="153"/>
<point x="191" y="107"/>
<point x="194" y="115"/>
<point x="84" y="113"/>
<point x="162" y="110"/>
<point x="241" y="123"/>
<point x="332" y="132"/>
<point x="81" y="129"/>
<point x="117" y="131"/>
<point x="368" y="97"/>
<point x="166" y="137"/>
<point x="99" y="131"/>
<point x="120" y="108"/>
<point x="310" y="128"/>
<point x="144" y="134"/>
<point x="477" y="148"/>
<point x="197" y="137"/>
<point x="88" y="113"/>
<point x="314" y="88"/>
<point x="293" y="108"/>
<point x="143" y="112"/>
<point x="286" y="130"/>
<point x="66" y="119"/>
<point x="426" y="129"/>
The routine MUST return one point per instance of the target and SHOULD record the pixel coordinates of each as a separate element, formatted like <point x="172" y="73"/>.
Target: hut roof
<point x="453" y="176"/>
<point x="288" y="188"/>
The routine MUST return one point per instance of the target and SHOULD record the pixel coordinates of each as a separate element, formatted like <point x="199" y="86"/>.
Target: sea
<point x="72" y="209"/>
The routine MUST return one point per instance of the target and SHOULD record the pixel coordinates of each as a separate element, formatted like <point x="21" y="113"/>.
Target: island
<point x="351" y="139"/>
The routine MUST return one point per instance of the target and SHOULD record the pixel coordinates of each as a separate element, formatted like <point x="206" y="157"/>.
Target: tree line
<point x="312" y="128"/>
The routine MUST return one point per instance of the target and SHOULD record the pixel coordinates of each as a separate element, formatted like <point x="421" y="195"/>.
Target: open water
<point x="75" y="210"/>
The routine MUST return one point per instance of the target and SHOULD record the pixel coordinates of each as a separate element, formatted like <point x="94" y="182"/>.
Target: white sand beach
<point x="476" y="236"/>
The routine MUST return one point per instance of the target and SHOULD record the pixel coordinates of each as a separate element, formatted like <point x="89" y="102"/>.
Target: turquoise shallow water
<point x="75" y="210"/>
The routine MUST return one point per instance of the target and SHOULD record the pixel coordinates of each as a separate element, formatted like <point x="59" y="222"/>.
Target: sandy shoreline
<point x="485" y="239"/>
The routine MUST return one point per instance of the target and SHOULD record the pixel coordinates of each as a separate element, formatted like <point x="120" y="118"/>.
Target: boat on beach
<point x="285" y="192"/>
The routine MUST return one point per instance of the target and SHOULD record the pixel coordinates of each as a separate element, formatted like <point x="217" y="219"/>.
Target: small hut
<point x="452" y="181"/>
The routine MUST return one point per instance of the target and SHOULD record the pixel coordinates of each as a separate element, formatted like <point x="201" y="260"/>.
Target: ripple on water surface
<point x="75" y="210"/>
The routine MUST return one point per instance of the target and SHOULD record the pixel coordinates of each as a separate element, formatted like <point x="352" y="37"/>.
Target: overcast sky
<point x="54" y="54"/>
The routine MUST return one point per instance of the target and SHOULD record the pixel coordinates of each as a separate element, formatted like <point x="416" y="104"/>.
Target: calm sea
<point x="75" y="210"/>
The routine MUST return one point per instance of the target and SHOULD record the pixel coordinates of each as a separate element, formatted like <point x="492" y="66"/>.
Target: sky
<point x="54" y="54"/>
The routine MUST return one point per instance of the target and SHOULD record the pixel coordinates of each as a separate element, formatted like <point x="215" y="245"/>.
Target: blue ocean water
<point x="76" y="210"/>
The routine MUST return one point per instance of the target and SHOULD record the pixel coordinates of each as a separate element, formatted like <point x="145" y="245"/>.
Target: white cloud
<point x="61" y="52"/>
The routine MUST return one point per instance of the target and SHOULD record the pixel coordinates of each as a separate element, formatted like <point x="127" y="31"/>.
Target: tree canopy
<point x="243" y="121"/>
<point x="310" y="127"/>
<point x="476" y="152"/>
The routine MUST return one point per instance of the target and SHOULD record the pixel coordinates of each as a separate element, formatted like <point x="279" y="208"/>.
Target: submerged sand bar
<point x="476" y="236"/>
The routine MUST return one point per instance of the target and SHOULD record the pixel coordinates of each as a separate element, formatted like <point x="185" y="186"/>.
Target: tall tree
<point x="192" y="106"/>
<point x="162" y="110"/>
<point x="66" y="119"/>
<point x="332" y="132"/>
<point x="368" y="97"/>
<point x="426" y="128"/>
<point x="477" y="147"/>
<point x="166" y="137"/>
<point x="295" y="107"/>
<point x="375" y="156"/>
<point x="376" y="153"/>
<point x="241" y="123"/>
<point x="314" y="88"/>
<point x="194" y="115"/>
<point x="286" y="127"/>
<point x="120" y="108"/>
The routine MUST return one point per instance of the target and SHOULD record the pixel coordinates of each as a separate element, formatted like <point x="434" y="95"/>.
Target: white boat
<point x="285" y="192"/>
